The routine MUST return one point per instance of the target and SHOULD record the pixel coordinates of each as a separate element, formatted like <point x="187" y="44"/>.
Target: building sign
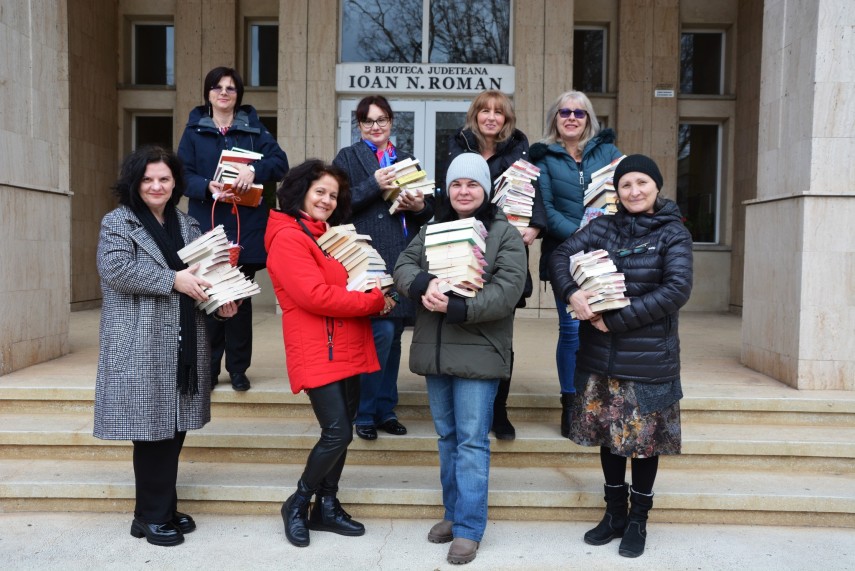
<point x="446" y="78"/>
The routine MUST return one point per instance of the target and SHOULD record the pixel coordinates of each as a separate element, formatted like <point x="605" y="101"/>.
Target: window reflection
<point x="470" y="31"/>
<point x="589" y="67"/>
<point x="700" y="62"/>
<point x="381" y="31"/>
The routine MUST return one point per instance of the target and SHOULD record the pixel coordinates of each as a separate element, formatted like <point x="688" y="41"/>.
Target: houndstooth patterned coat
<point x="136" y="397"/>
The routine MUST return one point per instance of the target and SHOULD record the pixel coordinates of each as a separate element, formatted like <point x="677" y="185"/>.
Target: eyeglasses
<point x="641" y="248"/>
<point x="230" y="89"/>
<point x="565" y="113"/>
<point x="381" y="122"/>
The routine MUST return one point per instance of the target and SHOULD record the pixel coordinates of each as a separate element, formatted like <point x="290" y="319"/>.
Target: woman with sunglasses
<point x="491" y="132"/>
<point x="628" y="381"/>
<point x="572" y="148"/>
<point x="223" y="123"/>
<point x="369" y="167"/>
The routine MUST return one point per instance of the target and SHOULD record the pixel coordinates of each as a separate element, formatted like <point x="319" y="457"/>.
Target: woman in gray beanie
<point x="463" y="347"/>
<point x="628" y="367"/>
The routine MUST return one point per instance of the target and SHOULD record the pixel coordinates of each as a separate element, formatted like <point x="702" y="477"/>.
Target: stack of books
<point x="596" y="272"/>
<point x="409" y="180"/>
<point x="362" y="262"/>
<point x="455" y="254"/>
<point x="600" y="197"/>
<point x="212" y="252"/>
<point x="227" y="172"/>
<point x="513" y="192"/>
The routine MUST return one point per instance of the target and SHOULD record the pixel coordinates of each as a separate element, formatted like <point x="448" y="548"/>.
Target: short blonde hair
<point x="485" y="100"/>
<point x="550" y="129"/>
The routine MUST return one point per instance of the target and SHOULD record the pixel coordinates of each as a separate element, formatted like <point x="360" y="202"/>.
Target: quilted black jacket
<point x="643" y="344"/>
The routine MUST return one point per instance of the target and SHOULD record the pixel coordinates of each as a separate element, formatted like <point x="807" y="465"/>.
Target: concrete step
<point x="263" y="439"/>
<point x="685" y="496"/>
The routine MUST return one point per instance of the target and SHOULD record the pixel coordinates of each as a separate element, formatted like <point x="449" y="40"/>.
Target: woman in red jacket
<point x="328" y="338"/>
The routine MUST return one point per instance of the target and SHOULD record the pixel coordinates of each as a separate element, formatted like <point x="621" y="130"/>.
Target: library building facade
<point x="746" y="105"/>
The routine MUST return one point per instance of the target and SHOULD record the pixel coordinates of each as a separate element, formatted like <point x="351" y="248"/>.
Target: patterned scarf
<point x="386" y="158"/>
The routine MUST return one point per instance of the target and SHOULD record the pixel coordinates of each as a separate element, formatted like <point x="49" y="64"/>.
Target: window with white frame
<point x="699" y="179"/>
<point x="702" y="62"/>
<point x="589" y="59"/>
<point x="426" y="31"/>
<point x="263" y="51"/>
<point x="153" y="53"/>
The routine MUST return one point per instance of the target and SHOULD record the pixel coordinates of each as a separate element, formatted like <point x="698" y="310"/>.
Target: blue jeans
<point x="379" y="391"/>
<point x="568" y="344"/>
<point x="462" y="411"/>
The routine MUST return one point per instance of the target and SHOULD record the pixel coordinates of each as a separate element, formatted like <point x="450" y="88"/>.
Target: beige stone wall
<point x="92" y="41"/>
<point x="798" y="311"/>
<point x="34" y="190"/>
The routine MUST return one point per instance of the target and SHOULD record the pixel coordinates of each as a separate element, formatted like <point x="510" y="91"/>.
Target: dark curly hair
<point x="292" y="191"/>
<point x="127" y="187"/>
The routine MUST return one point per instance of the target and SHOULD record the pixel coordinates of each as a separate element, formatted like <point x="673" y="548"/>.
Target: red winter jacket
<point x="315" y="305"/>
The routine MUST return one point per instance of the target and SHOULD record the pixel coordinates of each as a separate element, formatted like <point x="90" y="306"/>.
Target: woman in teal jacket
<point x="572" y="148"/>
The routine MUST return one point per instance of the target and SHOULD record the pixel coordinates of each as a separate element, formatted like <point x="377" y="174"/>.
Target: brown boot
<point x="441" y="532"/>
<point x="462" y="551"/>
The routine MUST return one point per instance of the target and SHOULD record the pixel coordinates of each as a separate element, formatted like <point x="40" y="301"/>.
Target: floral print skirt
<point x="607" y="414"/>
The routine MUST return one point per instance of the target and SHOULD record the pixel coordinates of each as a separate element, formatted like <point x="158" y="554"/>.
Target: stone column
<point x="798" y="315"/>
<point x="649" y="47"/>
<point x="321" y="111"/>
<point x="293" y="54"/>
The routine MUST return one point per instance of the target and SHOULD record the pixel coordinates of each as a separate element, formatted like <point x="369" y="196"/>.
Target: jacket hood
<point x="466" y="139"/>
<point x="636" y="225"/>
<point x="245" y="115"/>
<point x="539" y="150"/>
<point x="281" y="222"/>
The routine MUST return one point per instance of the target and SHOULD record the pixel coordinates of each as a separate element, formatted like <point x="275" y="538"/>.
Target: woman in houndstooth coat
<point x="153" y="366"/>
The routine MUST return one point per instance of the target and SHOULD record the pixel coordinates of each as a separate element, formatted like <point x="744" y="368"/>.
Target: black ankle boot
<point x="295" y="513"/>
<point x="635" y="534"/>
<point x="614" y="521"/>
<point x="328" y="515"/>
<point x="566" y="413"/>
<point x="502" y="427"/>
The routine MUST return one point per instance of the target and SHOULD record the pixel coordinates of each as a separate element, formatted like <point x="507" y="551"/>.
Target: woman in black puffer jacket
<point x="628" y="365"/>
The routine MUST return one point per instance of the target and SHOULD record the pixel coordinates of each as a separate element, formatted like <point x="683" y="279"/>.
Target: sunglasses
<point x="565" y="113"/>
<point x="230" y="89"/>
<point x="640" y="249"/>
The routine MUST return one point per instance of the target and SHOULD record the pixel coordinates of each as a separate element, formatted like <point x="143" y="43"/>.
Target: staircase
<point x="754" y="450"/>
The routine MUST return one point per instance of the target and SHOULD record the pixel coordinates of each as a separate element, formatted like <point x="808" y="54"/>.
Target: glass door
<point x="406" y="128"/>
<point x="445" y="118"/>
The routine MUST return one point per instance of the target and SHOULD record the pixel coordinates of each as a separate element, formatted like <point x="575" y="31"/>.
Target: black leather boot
<point x="614" y="521"/>
<point x="635" y="534"/>
<point x="566" y="413"/>
<point x="295" y="513"/>
<point x="502" y="427"/>
<point x="328" y="515"/>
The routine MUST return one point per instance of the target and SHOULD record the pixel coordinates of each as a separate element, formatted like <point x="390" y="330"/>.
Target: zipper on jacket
<point x="330" y="329"/>
<point x="581" y="176"/>
<point x="438" y="344"/>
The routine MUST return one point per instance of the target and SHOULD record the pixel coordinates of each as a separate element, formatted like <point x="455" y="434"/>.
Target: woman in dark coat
<point x="152" y="384"/>
<point x="368" y="164"/>
<point x="491" y="132"/>
<point x="628" y="368"/>
<point x="573" y="147"/>
<point x="223" y="123"/>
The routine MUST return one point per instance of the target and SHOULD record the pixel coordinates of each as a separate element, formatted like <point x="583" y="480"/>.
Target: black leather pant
<point x="233" y="336"/>
<point x="155" y="474"/>
<point x="335" y="406"/>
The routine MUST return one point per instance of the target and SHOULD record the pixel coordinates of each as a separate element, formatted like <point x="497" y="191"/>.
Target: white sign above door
<point x="434" y="78"/>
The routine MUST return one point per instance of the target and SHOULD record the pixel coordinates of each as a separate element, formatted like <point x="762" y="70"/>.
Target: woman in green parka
<point x="463" y="346"/>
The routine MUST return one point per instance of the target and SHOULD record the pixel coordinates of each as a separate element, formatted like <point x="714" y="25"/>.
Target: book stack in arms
<point x="355" y="252"/>
<point x="227" y="172"/>
<point x="601" y="197"/>
<point x="514" y="194"/>
<point x="211" y="252"/>
<point x="409" y="179"/>
<point x="455" y="254"/>
<point x="596" y="272"/>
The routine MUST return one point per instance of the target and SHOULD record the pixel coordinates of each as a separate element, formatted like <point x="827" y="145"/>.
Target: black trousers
<point x="155" y="473"/>
<point x="233" y="336"/>
<point x="335" y="406"/>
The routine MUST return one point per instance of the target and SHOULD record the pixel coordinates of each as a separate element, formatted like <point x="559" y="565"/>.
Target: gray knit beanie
<point x="471" y="166"/>
<point x="638" y="163"/>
